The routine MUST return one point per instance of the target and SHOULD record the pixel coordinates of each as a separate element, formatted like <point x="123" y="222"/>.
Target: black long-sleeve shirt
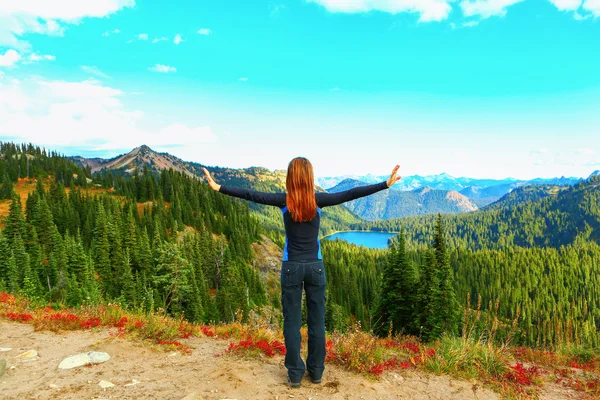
<point x="302" y="238"/>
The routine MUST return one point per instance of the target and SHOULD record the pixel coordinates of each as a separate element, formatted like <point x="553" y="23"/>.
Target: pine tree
<point x="402" y="292"/>
<point x="447" y="304"/>
<point x="430" y="324"/>
<point x="12" y="275"/>
<point x="4" y="257"/>
<point x="74" y="292"/>
<point x="102" y="261"/>
<point x="127" y="283"/>
<point x="6" y="188"/>
<point x="15" y="221"/>
<point x="383" y="313"/>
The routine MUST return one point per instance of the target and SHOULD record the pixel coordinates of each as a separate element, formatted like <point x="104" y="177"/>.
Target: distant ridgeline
<point x="142" y="229"/>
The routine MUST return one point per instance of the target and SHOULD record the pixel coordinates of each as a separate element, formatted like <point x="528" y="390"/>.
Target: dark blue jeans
<point x="295" y="275"/>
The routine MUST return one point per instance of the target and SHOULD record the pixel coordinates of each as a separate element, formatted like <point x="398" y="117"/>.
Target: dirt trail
<point x="200" y="375"/>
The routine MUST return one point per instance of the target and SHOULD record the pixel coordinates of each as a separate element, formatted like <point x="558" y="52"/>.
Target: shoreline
<point x="333" y="233"/>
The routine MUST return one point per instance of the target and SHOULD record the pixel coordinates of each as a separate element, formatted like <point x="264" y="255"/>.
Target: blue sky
<point x="484" y="88"/>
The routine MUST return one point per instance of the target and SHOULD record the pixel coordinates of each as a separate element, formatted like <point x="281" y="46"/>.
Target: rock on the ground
<point x="191" y="396"/>
<point x="3" y="349"/>
<point x="79" y="360"/>
<point x="106" y="384"/>
<point x="133" y="383"/>
<point x="2" y="367"/>
<point x="28" y="355"/>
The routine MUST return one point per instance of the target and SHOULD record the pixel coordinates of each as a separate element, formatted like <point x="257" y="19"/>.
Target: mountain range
<point x="413" y="195"/>
<point x="389" y="204"/>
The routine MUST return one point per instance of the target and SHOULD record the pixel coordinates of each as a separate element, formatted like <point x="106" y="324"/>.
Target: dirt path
<point x="200" y="375"/>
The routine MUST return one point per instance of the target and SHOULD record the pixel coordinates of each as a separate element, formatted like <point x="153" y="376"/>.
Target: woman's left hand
<point x="213" y="185"/>
<point x="393" y="178"/>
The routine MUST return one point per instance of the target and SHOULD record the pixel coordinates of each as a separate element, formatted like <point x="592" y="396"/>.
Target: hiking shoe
<point x="316" y="381"/>
<point x="294" y="384"/>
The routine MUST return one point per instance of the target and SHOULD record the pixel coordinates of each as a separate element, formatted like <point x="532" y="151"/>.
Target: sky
<point x="477" y="88"/>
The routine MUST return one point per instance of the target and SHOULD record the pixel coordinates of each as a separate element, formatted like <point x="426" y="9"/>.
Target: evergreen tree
<point x="127" y="283"/>
<point x="15" y="225"/>
<point x="447" y="305"/>
<point x="102" y="261"/>
<point x="6" y="188"/>
<point x="429" y="294"/>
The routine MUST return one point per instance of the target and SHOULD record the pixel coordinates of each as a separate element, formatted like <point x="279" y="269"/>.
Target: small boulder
<point x="133" y="383"/>
<point x="106" y="384"/>
<point x="3" y="349"/>
<point x="79" y="360"/>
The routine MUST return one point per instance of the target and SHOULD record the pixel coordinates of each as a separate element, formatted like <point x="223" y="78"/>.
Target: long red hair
<point x="300" y="185"/>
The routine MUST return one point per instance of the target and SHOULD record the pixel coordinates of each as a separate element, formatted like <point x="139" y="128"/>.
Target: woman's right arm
<point x="271" y="199"/>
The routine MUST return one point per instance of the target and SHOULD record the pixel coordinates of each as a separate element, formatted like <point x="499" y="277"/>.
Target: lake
<point x="375" y="240"/>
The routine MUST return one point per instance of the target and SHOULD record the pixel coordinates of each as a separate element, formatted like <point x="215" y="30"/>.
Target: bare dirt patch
<point x="138" y="371"/>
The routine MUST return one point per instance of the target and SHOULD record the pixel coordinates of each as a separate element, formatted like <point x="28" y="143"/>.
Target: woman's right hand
<point x="213" y="185"/>
<point x="393" y="178"/>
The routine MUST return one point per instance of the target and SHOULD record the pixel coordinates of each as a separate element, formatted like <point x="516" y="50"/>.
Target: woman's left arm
<point x="332" y="199"/>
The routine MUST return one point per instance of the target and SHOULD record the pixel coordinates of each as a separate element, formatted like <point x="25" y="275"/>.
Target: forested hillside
<point x="163" y="240"/>
<point x="150" y="241"/>
<point x="536" y="254"/>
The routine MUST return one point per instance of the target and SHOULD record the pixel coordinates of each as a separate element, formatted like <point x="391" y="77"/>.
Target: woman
<point x="302" y="265"/>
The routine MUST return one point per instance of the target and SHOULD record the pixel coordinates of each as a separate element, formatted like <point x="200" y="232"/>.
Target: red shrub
<point x="268" y="349"/>
<point x="19" y="317"/>
<point x="522" y="376"/>
<point x="121" y="323"/>
<point x="7" y="298"/>
<point x="208" y="331"/>
<point x="91" y="323"/>
<point x="411" y="347"/>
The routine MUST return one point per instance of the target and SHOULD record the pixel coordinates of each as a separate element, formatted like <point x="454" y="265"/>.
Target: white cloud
<point x="430" y="10"/>
<point x="470" y="24"/>
<point x="177" y="39"/>
<point x="160" y="39"/>
<point x="40" y="57"/>
<point x="335" y="89"/>
<point x="165" y="69"/>
<point x="592" y="6"/>
<point x="204" y="31"/>
<point x="114" y="31"/>
<point x="244" y="79"/>
<point x="84" y="114"/>
<point x="18" y="18"/>
<point x="93" y="70"/>
<point x="142" y="36"/>
<point x="486" y="8"/>
<point x="10" y="58"/>
<point x="578" y="17"/>
<point x="582" y="9"/>
<point x="566" y="5"/>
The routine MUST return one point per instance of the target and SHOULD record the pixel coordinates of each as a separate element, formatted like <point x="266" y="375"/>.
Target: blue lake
<point x="375" y="240"/>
